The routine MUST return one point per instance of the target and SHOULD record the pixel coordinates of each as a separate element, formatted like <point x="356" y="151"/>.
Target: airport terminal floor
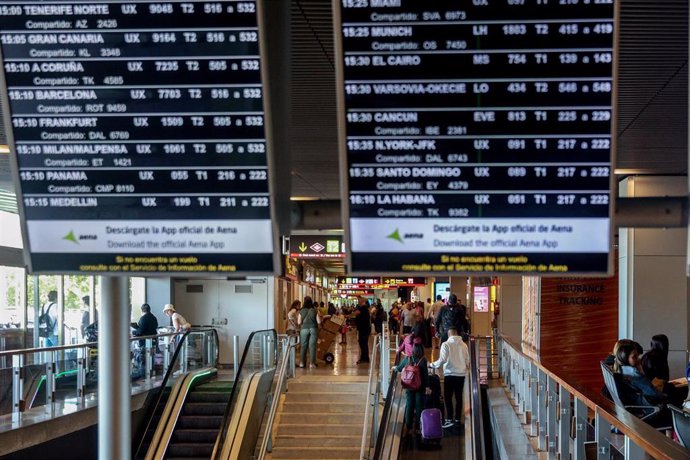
<point x="185" y="404"/>
<point x="344" y="229"/>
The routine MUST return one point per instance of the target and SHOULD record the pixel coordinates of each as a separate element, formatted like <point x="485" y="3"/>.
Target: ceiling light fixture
<point x="304" y="198"/>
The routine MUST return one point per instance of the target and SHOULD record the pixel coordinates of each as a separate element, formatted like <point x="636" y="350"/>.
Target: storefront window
<point x="11" y="297"/>
<point x="75" y="301"/>
<point x="137" y="296"/>
<point x="77" y="307"/>
<point x="11" y="308"/>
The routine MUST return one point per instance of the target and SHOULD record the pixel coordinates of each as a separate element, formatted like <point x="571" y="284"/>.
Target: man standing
<point x="47" y="322"/>
<point x="148" y="323"/>
<point x="427" y="308"/>
<point x="452" y="316"/>
<point x="433" y="313"/>
<point x="455" y="358"/>
<point x="363" y="322"/>
<point x="407" y="318"/>
<point x="435" y="308"/>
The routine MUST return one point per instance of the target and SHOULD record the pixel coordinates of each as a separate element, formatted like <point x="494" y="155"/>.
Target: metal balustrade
<point x="567" y="419"/>
<point x="65" y="378"/>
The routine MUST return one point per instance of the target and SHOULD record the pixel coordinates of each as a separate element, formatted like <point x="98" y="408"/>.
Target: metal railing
<point x="190" y="353"/>
<point x="552" y="406"/>
<point x="373" y="389"/>
<point x="260" y="353"/>
<point x="388" y="428"/>
<point x="67" y="374"/>
<point x="288" y="360"/>
<point x="477" y="412"/>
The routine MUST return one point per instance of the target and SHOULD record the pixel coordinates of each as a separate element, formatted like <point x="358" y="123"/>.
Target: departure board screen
<point x="138" y="132"/>
<point x="476" y="136"/>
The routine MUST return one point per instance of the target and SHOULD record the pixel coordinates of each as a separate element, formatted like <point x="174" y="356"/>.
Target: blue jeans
<point x="308" y="338"/>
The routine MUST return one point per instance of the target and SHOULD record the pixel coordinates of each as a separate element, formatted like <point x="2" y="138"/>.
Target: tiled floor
<point x="346" y="357"/>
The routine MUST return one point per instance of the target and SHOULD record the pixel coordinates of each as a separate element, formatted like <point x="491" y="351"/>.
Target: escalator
<point x="197" y="414"/>
<point x="197" y="428"/>
<point x="457" y="443"/>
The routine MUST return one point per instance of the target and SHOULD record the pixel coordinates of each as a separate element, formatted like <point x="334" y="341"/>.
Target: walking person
<point x="308" y="320"/>
<point x="292" y="327"/>
<point x="379" y="317"/>
<point x="415" y="385"/>
<point x="431" y="316"/>
<point x="394" y="319"/>
<point x="363" y="322"/>
<point x="407" y="318"/>
<point x="453" y="315"/>
<point x="455" y="358"/>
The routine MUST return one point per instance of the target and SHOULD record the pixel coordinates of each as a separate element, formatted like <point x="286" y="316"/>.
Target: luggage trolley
<point x="330" y="326"/>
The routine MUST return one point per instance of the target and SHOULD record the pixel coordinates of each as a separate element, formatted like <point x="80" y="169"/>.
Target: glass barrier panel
<point x="260" y="353"/>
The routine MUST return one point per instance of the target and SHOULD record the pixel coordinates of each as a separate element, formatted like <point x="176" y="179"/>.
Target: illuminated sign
<point x="476" y="135"/>
<point x="317" y="247"/>
<point x="138" y="134"/>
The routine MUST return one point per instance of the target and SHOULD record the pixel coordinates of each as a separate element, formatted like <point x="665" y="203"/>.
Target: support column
<point x="458" y="286"/>
<point x="510" y="298"/>
<point x="653" y="287"/>
<point x="114" y="384"/>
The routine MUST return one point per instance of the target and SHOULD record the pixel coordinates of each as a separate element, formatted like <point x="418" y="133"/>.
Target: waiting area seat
<point x="681" y="425"/>
<point x="625" y="396"/>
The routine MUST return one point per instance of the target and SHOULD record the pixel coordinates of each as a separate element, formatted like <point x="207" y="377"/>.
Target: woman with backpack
<point x="414" y="377"/>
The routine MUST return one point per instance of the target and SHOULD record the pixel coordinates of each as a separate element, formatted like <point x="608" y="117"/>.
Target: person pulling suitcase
<point x="455" y="359"/>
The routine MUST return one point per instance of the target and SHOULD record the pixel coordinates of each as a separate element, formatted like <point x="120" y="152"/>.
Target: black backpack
<point x="45" y="318"/>
<point x="454" y="317"/>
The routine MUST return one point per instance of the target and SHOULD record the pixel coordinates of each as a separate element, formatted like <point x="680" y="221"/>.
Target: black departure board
<point x="475" y="136"/>
<point x="139" y="135"/>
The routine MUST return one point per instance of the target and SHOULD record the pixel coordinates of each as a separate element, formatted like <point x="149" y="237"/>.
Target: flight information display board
<point x="139" y="135"/>
<point x="476" y="136"/>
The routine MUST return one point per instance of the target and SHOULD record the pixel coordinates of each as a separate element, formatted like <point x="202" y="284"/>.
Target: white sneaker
<point x="447" y="423"/>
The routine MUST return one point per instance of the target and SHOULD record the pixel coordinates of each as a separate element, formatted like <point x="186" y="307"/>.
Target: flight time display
<point x="477" y="135"/>
<point x="139" y="135"/>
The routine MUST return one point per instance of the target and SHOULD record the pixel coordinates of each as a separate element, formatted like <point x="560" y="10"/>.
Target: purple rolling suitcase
<point x="431" y="425"/>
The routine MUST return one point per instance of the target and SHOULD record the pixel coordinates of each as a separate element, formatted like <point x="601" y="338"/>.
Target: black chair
<point x="681" y="425"/>
<point x="625" y="396"/>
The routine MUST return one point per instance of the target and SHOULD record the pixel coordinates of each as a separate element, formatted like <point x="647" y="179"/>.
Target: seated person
<point x="628" y="364"/>
<point x="655" y="361"/>
<point x="611" y="359"/>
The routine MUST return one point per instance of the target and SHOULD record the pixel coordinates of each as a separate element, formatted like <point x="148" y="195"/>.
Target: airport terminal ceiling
<point x="652" y="95"/>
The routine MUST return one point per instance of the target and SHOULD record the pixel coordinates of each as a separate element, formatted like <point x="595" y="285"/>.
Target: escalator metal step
<point x="195" y="435"/>
<point x="209" y="396"/>
<point x="186" y="450"/>
<point x="199" y="422"/>
<point x="198" y="408"/>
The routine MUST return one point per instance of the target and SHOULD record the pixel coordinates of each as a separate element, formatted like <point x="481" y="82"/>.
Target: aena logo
<point x="407" y="236"/>
<point x="75" y="239"/>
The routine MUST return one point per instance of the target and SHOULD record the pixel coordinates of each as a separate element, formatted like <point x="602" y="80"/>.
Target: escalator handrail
<point x="151" y="410"/>
<point x="476" y="414"/>
<point x="291" y="344"/>
<point x="385" y="415"/>
<point x="222" y="435"/>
